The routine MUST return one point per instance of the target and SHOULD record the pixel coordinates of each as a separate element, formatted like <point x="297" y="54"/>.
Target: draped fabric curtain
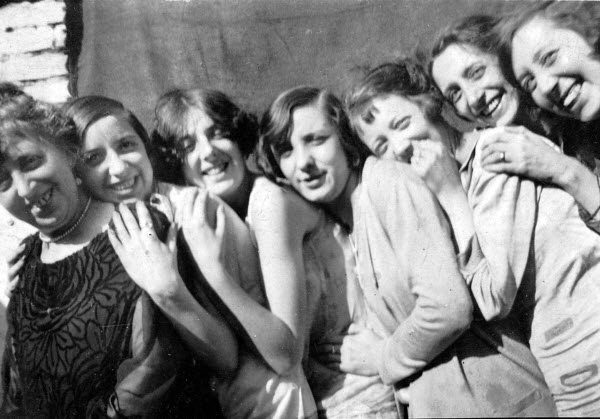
<point x="134" y="50"/>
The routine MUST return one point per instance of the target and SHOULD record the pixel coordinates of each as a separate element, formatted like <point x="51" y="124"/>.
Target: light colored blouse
<point x="542" y="264"/>
<point x="410" y="277"/>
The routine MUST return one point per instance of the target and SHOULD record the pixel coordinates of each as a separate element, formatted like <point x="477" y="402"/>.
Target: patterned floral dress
<point x="70" y="330"/>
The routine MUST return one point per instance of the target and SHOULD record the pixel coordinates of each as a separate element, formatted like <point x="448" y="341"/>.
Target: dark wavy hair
<point x="175" y="113"/>
<point x="86" y="110"/>
<point x="405" y="77"/>
<point x="22" y="117"/>
<point x="276" y="128"/>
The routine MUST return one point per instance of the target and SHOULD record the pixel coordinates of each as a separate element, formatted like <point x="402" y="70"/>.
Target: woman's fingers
<point x="129" y="221"/>
<point x="118" y="227"/>
<point x="220" y="227"/>
<point x="15" y="254"/>
<point x="171" y="241"/>
<point x="145" y="220"/>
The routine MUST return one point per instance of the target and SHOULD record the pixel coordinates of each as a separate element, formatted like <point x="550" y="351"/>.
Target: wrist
<point x="568" y="175"/>
<point x="167" y="294"/>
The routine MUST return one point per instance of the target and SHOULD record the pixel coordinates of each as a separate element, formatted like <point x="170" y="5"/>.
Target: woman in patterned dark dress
<point x="83" y="340"/>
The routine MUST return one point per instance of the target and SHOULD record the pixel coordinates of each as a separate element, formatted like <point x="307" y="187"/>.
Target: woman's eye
<point x="453" y="96"/>
<point x="92" y="159"/>
<point x="402" y="123"/>
<point x="320" y="139"/>
<point x="528" y="84"/>
<point x="186" y="146"/>
<point x="31" y="162"/>
<point x="5" y="181"/>
<point x="127" y="144"/>
<point x="549" y="58"/>
<point x="381" y="148"/>
<point x="282" y="151"/>
<point x="476" y="72"/>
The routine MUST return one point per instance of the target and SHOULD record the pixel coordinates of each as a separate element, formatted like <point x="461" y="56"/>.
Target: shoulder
<point x="273" y="203"/>
<point x="386" y="181"/>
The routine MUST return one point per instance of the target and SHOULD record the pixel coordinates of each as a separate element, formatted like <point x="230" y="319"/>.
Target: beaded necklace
<point x="48" y="239"/>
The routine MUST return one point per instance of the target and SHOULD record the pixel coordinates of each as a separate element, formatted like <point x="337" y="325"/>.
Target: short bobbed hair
<point x="86" y="110"/>
<point x="405" y="77"/>
<point x="175" y="114"/>
<point x="277" y="125"/>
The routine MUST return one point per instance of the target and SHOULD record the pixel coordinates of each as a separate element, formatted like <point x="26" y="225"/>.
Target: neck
<point x="239" y="200"/>
<point x="342" y="206"/>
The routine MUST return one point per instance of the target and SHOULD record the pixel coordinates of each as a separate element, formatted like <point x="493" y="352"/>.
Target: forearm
<point x="274" y="340"/>
<point x="419" y="339"/>
<point x="579" y="182"/>
<point x="455" y="204"/>
<point x="208" y="336"/>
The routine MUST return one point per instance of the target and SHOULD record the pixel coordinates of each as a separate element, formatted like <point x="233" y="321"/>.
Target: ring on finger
<point x="502" y="156"/>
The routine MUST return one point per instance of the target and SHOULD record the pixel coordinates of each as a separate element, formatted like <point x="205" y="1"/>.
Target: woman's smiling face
<point x="558" y="68"/>
<point x="211" y="158"/>
<point x="472" y="81"/>
<point x="314" y="161"/>
<point x="37" y="185"/>
<point x="115" y="166"/>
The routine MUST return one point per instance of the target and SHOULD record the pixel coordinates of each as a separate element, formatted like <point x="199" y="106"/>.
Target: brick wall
<point x="32" y="54"/>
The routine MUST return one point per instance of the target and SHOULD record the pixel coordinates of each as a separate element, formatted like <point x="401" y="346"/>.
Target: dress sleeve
<point x="144" y="380"/>
<point x="504" y="212"/>
<point x="420" y="237"/>
<point x="11" y="387"/>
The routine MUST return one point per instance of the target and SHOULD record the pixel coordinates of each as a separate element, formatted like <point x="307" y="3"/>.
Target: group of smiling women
<point x="377" y="263"/>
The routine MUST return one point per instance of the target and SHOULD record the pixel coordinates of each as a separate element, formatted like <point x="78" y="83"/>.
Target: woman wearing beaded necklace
<point x="83" y="340"/>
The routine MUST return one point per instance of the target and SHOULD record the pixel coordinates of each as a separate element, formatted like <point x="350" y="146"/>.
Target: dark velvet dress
<point x="82" y="337"/>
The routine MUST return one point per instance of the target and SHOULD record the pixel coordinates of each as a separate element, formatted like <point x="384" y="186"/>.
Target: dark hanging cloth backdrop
<point x="134" y="50"/>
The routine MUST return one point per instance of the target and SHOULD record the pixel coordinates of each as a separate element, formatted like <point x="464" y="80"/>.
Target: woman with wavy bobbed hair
<point x="231" y="137"/>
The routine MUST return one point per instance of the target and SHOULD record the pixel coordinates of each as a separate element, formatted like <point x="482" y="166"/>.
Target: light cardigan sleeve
<point x="420" y="237"/>
<point x="504" y="214"/>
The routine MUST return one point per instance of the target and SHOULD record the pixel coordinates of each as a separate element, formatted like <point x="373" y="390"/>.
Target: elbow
<point x="285" y="360"/>
<point x="228" y="364"/>
<point x="459" y="315"/>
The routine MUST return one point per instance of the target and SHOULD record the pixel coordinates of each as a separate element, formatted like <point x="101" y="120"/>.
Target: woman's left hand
<point x="357" y="353"/>
<point x="518" y="151"/>
<point x="151" y="263"/>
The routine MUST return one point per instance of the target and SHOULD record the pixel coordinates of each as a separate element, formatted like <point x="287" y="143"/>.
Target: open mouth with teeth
<point x="125" y="185"/>
<point x="215" y="169"/>
<point x="39" y="205"/>
<point x="570" y="96"/>
<point x="491" y="106"/>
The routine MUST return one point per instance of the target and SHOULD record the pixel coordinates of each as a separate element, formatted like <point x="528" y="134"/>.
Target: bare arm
<point x="152" y="265"/>
<point x="280" y="224"/>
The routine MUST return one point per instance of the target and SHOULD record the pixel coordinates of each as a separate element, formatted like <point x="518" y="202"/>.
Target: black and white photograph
<point x="299" y="209"/>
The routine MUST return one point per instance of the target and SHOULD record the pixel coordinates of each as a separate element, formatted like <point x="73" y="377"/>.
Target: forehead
<point x="196" y="119"/>
<point x="107" y="130"/>
<point x="308" y="119"/>
<point x="540" y="33"/>
<point x="12" y="148"/>
<point x="450" y="65"/>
